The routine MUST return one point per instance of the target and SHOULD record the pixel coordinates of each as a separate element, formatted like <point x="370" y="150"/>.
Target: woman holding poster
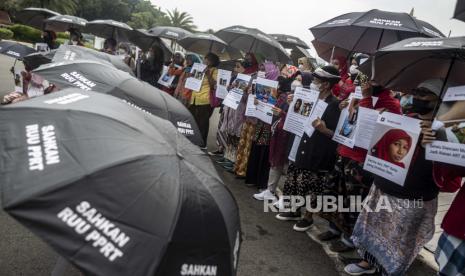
<point x="348" y="176"/>
<point x="390" y="237"/>
<point x="316" y="153"/>
<point x="200" y="101"/>
<point x="182" y="93"/>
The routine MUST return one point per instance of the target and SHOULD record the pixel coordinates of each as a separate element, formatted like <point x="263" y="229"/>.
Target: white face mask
<point x="354" y="69"/>
<point x="316" y="87"/>
<point x="301" y="67"/>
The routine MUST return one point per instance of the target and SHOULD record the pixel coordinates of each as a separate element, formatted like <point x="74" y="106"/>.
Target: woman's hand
<point x="343" y="104"/>
<point x="255" y="101"/>
<point x="276" y="111"/>
<point x="319" y="125"/>
<point x="366" y="90"/>
<point x="428" y="135"/>
<point x="290" y="98"/>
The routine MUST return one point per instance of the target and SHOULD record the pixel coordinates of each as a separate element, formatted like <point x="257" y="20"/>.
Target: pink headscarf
<point x="271" y="70"/>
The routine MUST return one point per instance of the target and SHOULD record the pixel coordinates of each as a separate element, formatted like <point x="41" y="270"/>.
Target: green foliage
<point x="25" y="33"/>
<point x="145" y="16"/>
<point x="181" y="20"/>
<point x="63" y="36"/>
<point x="6" y="34"/>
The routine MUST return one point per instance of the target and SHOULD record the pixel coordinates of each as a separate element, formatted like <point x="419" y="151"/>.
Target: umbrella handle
<point x="332" y="54"/>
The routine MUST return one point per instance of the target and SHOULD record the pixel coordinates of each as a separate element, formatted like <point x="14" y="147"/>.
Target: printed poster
<point x="222" y="83"/>
<point x="266" y="92"/>
<point x="194" y="83"/>
<point x="392" y="146"/>
<point x="166" y="80"/>
<point x="366" y="122"/>
<point x="238" y="87"/>
<point x="300" y="110"/>
<point x="317" y="113"/>
<point x="348" y="123"/>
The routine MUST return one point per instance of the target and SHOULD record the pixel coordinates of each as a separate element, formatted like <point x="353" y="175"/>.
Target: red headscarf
<point x="253" y="67"/>
<point x="343" y="70"/>
<point x="382" y="147"/>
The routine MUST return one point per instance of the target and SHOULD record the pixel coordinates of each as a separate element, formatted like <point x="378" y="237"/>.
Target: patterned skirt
<point x="243" y="149"/>
<point x="302" y="182"/>
<point x="450" y="255"/>
<point x="391" y="237"/>
<point x="347" y="179"/>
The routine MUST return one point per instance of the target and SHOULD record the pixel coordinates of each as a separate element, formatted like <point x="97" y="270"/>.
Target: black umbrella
<point x="98" y="77"/>
<point x="62" y="23"/>
<point x="327" y="51"/>
<point x="72" y="52"/>
<point x="109" y="29"/>
<point x="14" y="49"/>
<point x="115" y="190"/>
<point x="289" y="41"/>
<point x="204" y="43"/>
<point x="365" y="32"/>
<point x="254" y="41"/>
<point x="144" y="40"/>
<point x="172" y="33"/>
<point x="460" y="10"/>
<point x="406" y="64"/>
<point x="34" y="17"/>
<point x="35" y="60"/>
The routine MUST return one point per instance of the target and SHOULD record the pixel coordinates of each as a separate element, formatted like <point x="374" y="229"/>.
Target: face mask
<point x="295" y="84"/>
<point x="422" y="107"/>
<point x="376" y="90"/>
<point x="354" y="69"/>
<point x="246" y="64"/>
<point x="301" y="67"/>
<point x="406" y="101"/>
<point x="315" y="87"/>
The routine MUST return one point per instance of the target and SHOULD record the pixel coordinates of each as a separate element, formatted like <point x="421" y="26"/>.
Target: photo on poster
<point x="266" y="90"/>
<point x="347" y="125"/>
<point x="366" y="124"/>
<point x="166" y="80"/>
<point x="194" y="82"/>
<point x="222" y="83"/>
<point x="300" y="109"/>
<point x="449" y="126"/>
<point x="238" y="88"/>
<point x="392" y="146"/>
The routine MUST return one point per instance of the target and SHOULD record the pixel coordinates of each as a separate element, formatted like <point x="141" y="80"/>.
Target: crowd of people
<point x="258" y="153"/>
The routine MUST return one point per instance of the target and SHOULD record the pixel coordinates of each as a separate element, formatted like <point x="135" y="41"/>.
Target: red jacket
<point x="385" y="100"/>
<point x="449" y="179"/>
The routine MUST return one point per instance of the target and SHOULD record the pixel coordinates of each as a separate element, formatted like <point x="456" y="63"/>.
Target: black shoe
<point x="240" y="177"/>
<point x="289" y="216"/>
<point x="339" y="246"/>
<point x="303" y="225"/>
<point x="327" y="236"/>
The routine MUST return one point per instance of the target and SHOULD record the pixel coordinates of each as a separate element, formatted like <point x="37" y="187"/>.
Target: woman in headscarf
<point x="151" y="65"/>
<point x="345" y="86"/>
<point x="389" y="239"/>
<point x="393" y="147"/>
<point x="258" y="166"/>
<point x="248" y="127"/>
<point x="305" y="65"/>
<point x="200" y="101"/>
<point x="181" y="93"/>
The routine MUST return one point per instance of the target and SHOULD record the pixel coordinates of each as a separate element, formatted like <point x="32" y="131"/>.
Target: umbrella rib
<point x="405" y="68"/>
<point x="358" y="40"/>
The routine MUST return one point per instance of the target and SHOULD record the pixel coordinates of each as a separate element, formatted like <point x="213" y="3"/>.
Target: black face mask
<point x="422" y="107"/>
<point x="376" y="90"/>
<point x="246" y="64"/>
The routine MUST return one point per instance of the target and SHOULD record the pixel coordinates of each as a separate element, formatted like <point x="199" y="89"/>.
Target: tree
<point x="61" y="6"/>
<point x="181" y="20"/>
<point x="146" y="16"/>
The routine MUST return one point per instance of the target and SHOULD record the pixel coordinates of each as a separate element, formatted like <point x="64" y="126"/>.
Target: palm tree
<point x="181" y="20"/>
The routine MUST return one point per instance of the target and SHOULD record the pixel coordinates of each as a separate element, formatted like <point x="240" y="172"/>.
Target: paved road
<point x="270" y="247"/>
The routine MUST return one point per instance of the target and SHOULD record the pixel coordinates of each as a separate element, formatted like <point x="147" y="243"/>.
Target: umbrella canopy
<point x="406" y="64"/>
<point x="254" y="41"/>
<point x="289" y="41"/>
<point x="35" y="60"/>
<point x="62" y="23"/>
<point x="34" y="17"/>
<point x="144" y="40"/>
<point x="460" y="10"/>
<point x="365" y="32"/>
<point x="203" y="43"/>
<point x="73" y="52"/>
<point x="14" y="49"/>
<point x="109" y="29"/>
<point x="172" y="33"/>
<point x="99" y="77"/>
<point x="326" y="51"/>
<point x="124" y="193"/>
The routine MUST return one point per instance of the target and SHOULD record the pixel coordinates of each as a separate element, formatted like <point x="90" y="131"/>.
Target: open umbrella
<point x="254" y="41"/>
<point x="405" y="64"/>
<point x="35" y="17"/>
<point x="168" y="32"/>
<point x="289" y="41"/>
<point x="365" y="32"/>
<point x="102" y="78"/>
<point x="109" y="29"/>
<point x="203" y="43"/>
<point x="62" y="23"/>
<point x="35" y="60"/>
<point x="73" y="52"/>
<point x="460" y="10"/>
<point x="327" y="51"/>
<point x="115" y="190"/>
<point x="14" y="49"/>
<point x="144" y="40"/>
